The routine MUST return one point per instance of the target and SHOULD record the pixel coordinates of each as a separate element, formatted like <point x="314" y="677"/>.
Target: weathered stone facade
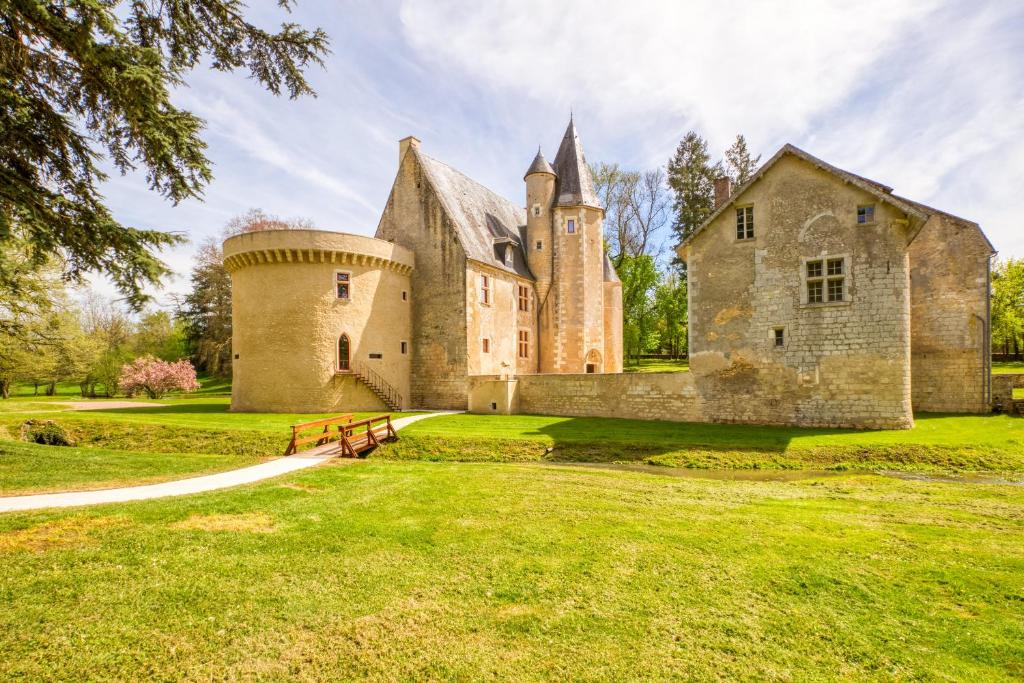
<point x="762" y="349"/>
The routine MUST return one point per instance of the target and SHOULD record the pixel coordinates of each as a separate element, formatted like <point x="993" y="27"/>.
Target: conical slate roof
<point x="539" y="165"/>
<point x="575" y="182"/>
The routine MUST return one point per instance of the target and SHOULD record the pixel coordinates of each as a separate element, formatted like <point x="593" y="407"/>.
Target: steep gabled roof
<point x="956" y="219"/>
<point x="485" y="222"/>
<point x="882" y="192"/>
<point x="575" y="182"/>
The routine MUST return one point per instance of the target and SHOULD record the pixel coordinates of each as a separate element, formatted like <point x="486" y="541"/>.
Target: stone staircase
<point x="388" y="395"/>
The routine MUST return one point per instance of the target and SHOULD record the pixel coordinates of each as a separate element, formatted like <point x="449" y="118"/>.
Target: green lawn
<point x="393" y="571"/>
<point x="938" y="442"/>
<point x="1007" y="367"/>
<point x="656" y="365"/>
<point x="30" y="468"/>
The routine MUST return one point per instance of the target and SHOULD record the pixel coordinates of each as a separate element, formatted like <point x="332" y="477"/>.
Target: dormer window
<point x="509" y="255"/>
<point x="570" y="226"/>
<point x="866" y="214"/>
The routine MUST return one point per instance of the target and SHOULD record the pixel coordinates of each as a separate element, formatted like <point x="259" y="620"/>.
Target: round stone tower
<point x="540" y="194"/>
<point x="321" y="321"/>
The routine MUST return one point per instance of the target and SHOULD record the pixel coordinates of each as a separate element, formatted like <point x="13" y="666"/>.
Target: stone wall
<point x="415" y="218"/>
<point x="844" y="363"/>
<point x="500" y="321"/>
<point x="287" y="319"/>
<point x="949" y="312"/>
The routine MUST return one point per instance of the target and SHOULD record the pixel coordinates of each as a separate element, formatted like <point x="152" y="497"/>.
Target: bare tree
<point x="255" y="220"/>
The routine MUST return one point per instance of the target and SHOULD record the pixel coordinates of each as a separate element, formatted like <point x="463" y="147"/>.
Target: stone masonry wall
<point x="415" y="219"/>
<point x="841" y="364"/>
<point x="949" y="308"/>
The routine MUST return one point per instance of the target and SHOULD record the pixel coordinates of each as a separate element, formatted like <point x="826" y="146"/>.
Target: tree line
<point x="646" y="214"/>
<point x="1008" y="307"/>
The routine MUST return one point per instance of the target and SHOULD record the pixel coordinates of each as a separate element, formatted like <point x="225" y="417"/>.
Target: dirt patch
<point x="107" y="405"/>
<point x="254" y="523"/>
<point x="300" y="487"/>
<point x="74" y="532"/>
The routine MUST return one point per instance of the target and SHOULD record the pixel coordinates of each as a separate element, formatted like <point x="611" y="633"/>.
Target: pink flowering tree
<point x="156" y="377"/>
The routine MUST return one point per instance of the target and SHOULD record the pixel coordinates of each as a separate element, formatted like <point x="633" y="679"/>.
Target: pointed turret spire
<point x="539" y="165"/>
<point x="575" y="182"/>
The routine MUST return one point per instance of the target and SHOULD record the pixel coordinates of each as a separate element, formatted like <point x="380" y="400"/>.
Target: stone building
<point x="458" y="282"/>
<point x="819" y="297"/>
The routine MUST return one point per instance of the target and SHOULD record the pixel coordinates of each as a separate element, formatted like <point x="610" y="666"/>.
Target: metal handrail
<point x="390" y="395"/>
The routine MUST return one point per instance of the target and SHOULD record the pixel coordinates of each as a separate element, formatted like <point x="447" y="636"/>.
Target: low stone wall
<point x="672" y="396"/>
<point x="1002" y="390"/>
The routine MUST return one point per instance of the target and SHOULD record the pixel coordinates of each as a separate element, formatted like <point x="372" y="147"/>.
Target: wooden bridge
<point x="353" y="436"/>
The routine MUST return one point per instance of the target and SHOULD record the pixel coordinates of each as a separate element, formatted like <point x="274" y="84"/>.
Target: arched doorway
<point x="593" y="361"/>
<point x="344" y="357"/>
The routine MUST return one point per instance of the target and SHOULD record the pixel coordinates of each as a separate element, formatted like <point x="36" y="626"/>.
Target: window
<point x="745" y="223"/>
<point x="485" y="345"/>
<point x="405" y="295"/>
<point x="524" y="298"/>
<point x="485" y="289"/>
<point x="343" y="356"/>
<point x="536" y="209"/>
<point x="509" y="255"/>
<point x="826" y="280"/>
<point x="866" y="214"/>
<point x="570" y="226"/>
<point x="835" y="279"/>
<point x="405" y="347"/>
<point x="780" y="337"/>
<point x="591" y="368"/>
<point x="524" y="344"/>
<point x="540" y="245"/>
<point x="344" y="282"/>
<point x="376" y="356"/>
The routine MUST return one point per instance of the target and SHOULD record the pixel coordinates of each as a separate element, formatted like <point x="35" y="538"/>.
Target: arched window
<point x="343" y="355"/>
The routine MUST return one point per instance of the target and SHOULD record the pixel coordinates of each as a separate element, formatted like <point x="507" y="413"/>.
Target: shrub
<point x="156" y="377"/>
<point x="46" y="432"/>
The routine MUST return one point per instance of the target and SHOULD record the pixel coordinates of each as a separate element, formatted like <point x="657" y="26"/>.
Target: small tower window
<point x="536" y="210"/>
<point x="343" y="353"/>
<point x="570" y="226"/>
<point x="540" y="246"/>
<point x="405" y="347"/>
<point x="485" y="345"/>
<point x="344" y="285"/>
<point x="780" y="337"/>
<point x="405" y="295"/>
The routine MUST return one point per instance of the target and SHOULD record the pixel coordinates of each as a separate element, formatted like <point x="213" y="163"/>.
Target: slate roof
<point x="485" y="222"/>
<point x="575" y="182"/>
<point x="881" y="192"/>
<point x="539" y="165"/>
<point x="609" y="270"/>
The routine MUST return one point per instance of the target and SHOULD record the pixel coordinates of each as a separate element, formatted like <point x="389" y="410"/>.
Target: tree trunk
<point x="51" y="389"/>
<point x="5" y="388"/>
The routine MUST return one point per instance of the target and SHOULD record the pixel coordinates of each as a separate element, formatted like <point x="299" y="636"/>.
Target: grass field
<point x="938" y="442"/>
<point x="1008" y="367"/>
<point x="657" y="365"/>
<point x="469" y="571"/>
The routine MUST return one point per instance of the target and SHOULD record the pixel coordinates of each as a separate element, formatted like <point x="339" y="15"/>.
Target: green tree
<point x="206" y="312"/>
<point x="639" y="276"/>
<point x="691" y="177"/>
<point x="84" y="80"/>
<point x="1008" y="306"/>
<point x="738" y="162"/>
<point x="158" y="334"/>
<point x="670" y="306"/>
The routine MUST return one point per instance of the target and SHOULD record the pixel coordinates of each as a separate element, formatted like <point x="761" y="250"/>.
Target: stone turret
<point x="540" y="194"/>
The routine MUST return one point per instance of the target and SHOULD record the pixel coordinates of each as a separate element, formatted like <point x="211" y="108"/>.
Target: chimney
<point x="723" y="188"/>
<point x="405" y="143"/>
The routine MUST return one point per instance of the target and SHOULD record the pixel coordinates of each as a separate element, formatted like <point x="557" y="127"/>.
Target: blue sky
<point x="922" y="95"/>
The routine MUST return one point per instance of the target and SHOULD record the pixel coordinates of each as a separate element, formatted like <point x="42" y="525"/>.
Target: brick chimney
<point x="723" y="188"/>
<point x="405" y="143"/>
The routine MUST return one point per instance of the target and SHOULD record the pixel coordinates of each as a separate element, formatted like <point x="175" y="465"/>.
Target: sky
<point x="922" y="95"/>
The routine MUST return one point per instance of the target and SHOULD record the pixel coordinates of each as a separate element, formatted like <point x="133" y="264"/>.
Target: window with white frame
<point x="866" y="213"/>
<point x="826" y="280"/>
<point x="745" y="223"/>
